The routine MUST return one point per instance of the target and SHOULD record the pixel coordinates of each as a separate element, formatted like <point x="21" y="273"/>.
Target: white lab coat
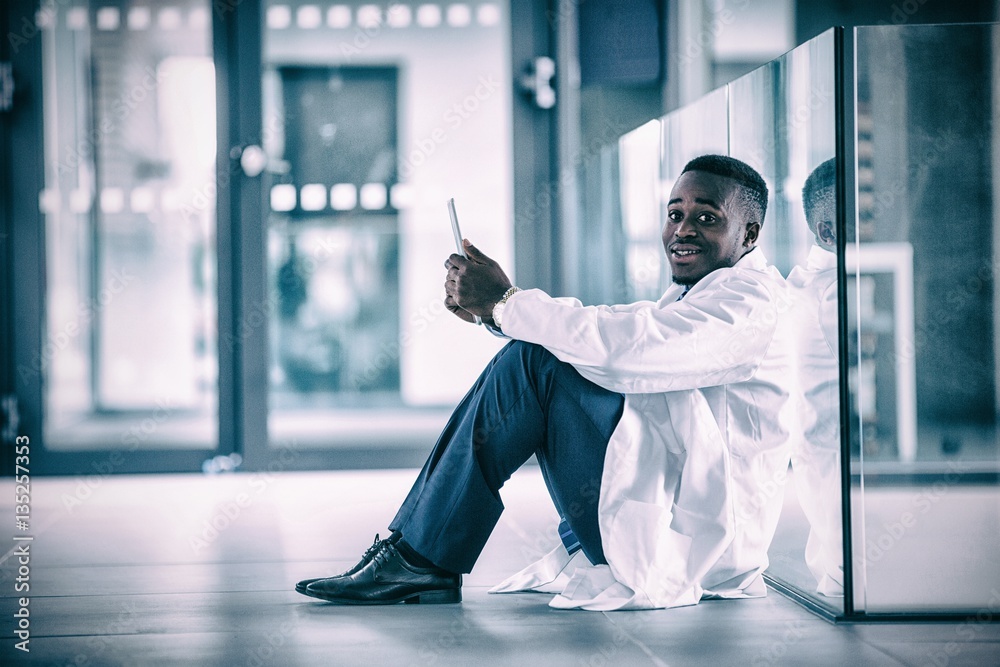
<point x="694" y="473"/>
<point x="816" y="436"/>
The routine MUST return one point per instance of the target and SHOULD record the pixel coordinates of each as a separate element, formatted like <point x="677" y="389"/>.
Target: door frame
<point x="244" y="305"/>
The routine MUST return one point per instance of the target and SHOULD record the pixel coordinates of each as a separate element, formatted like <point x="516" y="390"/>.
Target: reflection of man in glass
<point x="819" y="199"/>
<point x="658" y="426"/>
<point x="816" y="441"/>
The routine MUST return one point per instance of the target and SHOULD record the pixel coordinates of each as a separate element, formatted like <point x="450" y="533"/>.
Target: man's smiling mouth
<point x="684" y="251"/>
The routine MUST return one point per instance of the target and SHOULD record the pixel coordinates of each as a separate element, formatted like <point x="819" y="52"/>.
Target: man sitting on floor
<point x="658" y="426"/>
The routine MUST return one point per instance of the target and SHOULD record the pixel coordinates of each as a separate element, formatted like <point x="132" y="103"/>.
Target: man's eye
<point x="675" y="216"/>
<point x="706" y="218"/>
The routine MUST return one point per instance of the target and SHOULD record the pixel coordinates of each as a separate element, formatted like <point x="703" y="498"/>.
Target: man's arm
<point x="717" y="335"/>
<point x="478" y="282"/>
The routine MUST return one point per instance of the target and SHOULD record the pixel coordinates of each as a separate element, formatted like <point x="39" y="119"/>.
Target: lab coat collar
<point x="820" y="259"/>
<point x="754" y="260"/>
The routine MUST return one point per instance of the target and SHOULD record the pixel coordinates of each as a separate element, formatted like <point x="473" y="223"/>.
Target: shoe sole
<point x="447" y="596"/>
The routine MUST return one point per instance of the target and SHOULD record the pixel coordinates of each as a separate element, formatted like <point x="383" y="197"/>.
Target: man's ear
<point x="824" y="231"/>
<point x="753" y="229"/>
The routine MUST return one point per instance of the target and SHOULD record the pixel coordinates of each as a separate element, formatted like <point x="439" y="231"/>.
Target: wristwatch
<point x="501" y="304"/>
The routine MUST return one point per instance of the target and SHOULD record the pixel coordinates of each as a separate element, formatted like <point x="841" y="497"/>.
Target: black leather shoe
<point x="390" y="579"/>
<point x="365" y="559"/>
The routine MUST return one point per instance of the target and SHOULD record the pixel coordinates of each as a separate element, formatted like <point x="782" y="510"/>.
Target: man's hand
<point x="474" y="285"/>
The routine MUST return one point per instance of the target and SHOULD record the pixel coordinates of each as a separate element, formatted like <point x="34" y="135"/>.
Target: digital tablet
<point x="460" y="249"/>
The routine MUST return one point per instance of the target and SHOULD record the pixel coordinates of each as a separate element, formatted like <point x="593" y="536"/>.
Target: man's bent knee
<point x="532" y="354"/>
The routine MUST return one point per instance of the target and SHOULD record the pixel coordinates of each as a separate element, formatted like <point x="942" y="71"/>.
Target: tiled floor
<point x="186" y="569"/>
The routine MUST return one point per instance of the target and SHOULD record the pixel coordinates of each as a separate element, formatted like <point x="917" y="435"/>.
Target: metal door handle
<point x="538" y="82"/>
<point x="252" y="159"/>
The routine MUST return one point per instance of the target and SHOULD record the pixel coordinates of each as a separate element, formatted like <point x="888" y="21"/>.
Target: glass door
<point x="375" y="115"/>
<point x="130" y="227"/>
<point x="117" y="367"/>
<point x="229" y="244"/>
<point x="229" y="248"/>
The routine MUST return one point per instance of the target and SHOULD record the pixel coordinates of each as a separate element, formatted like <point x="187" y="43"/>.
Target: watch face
<point x="498" y="313"/>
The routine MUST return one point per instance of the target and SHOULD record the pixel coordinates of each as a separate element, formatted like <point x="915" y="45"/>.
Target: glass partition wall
<point x="922" y="265"/>
<point x="780" y="119"/>
<point x="881" y="159"/>
<point x="782" y="122"/>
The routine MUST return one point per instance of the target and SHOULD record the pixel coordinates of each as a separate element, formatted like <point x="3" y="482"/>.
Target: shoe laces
<point x="386" y="550"/>
<point x="373" y="549"/>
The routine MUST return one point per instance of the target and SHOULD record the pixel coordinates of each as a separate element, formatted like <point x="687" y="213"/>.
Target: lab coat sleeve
<point x="618" y="308"/>
<point x="716" y="335"/>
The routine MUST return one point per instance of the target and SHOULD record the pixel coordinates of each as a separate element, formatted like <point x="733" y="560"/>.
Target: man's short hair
<point x="753" y="189"/>
<point x="820" y="192"/>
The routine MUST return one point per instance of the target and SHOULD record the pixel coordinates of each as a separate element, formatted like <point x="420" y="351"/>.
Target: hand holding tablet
<point x="458" y="238"/>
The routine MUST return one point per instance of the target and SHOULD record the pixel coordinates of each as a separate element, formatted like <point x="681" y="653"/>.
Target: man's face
<point x="705" y="228"/>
